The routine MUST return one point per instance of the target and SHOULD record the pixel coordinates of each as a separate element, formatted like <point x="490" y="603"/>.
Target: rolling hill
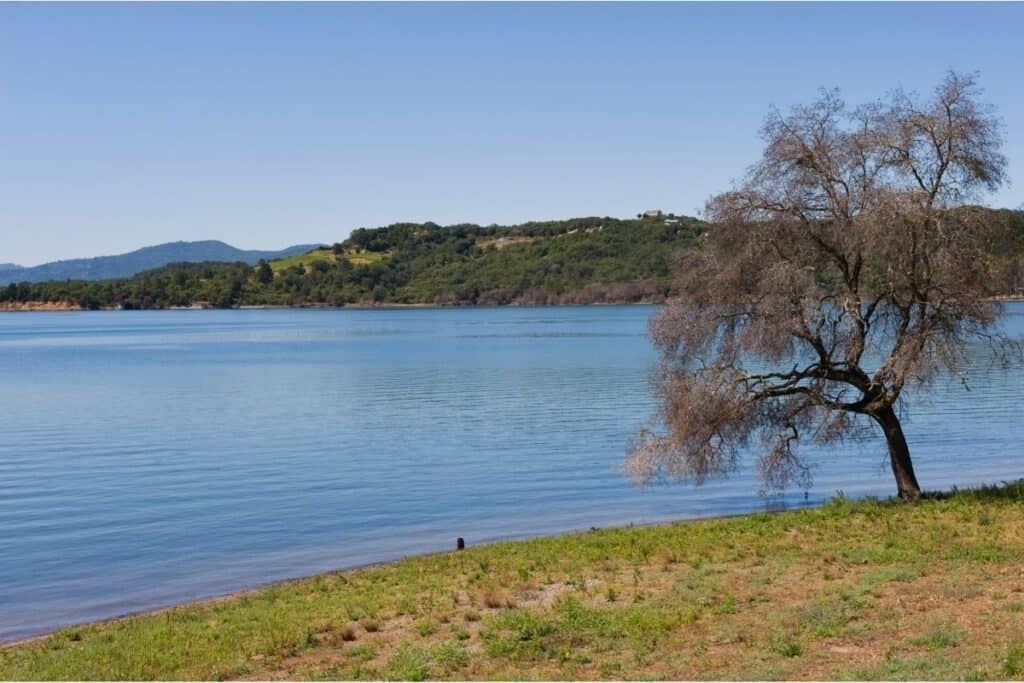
<point x="577" y="261"/>
<point x="147" y="258"/>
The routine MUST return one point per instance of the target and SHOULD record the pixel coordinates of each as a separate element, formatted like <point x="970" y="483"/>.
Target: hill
<point x="9" y="271"/>
<point x="126" y="265"/>
<point x="577" y="261"/>
<point x="583" y="260"/>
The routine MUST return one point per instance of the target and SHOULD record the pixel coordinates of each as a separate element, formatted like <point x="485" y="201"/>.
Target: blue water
<point x="150" y="458"/>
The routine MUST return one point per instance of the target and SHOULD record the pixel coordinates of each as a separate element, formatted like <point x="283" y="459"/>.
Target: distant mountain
<point x="126" y="265"/>
<point x="9" y="271"/>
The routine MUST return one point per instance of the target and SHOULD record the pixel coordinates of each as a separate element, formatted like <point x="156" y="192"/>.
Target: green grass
<point x="304" y="260"/>
<point x="865" y="590"/>
<point x="362" y="258"/>
<point x="308" y="260"/>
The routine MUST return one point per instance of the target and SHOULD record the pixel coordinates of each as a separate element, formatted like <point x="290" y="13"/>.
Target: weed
<point x="408" y="664"/>
<point x="363" y="652"/>
<point x="1013" y="664"/>
<point x="427" y="627"/>
<point x="787" y="648"/>
<point x="939" y="637"/>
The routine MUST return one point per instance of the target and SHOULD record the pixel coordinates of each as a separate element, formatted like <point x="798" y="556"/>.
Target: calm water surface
<point x="150" y="458"/>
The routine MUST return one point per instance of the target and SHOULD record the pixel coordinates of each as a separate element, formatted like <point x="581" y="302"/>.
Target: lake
<point x="150" y="458"/>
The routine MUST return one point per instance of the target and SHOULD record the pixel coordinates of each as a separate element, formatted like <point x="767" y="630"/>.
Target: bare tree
<point x="847" y="266"/>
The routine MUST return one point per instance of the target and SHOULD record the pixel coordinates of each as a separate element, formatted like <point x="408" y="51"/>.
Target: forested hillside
<point x="583" y="260"/>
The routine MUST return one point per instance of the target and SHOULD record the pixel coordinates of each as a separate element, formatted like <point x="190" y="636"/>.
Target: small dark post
<point x="460" y="543"/>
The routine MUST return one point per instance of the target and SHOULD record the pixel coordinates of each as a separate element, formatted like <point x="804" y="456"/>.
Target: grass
<point x="850" y="590"/>
<point x="362" y="258"/>
<point x="305" y="260"/>
<point x="308" y="260"/>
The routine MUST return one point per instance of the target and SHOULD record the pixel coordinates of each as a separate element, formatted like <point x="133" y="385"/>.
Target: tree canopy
<point x="849" y="264"/>
<point x="583" y="260"/>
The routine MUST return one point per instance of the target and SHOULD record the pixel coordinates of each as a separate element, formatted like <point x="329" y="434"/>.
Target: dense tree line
<point x="579" y="261"/>
<point x="585" y="260"/>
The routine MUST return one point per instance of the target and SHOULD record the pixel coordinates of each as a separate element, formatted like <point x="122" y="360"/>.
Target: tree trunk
<point x="899" y="454"/>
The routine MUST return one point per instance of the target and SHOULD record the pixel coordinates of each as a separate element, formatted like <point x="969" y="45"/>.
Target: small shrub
<point x="788" y="648"/>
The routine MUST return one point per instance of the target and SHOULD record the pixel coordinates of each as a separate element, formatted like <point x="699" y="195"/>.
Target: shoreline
<point x="66" y="307"/>
<point x="353" y="569"/>
<point x="843" y="590"/>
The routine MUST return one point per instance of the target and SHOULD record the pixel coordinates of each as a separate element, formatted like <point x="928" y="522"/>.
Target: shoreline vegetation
<point x="50" y="306"/>
<point x="851" y="589"/>
<point x="578" y="261"/>
<point x="58" y="306"/>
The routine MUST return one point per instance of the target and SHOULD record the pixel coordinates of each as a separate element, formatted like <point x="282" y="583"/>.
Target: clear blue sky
<point x="123" y="125"/>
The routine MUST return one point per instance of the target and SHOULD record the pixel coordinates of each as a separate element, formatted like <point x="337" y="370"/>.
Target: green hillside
<point x="584" y="260"/>
<point x="578" y="261"/>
